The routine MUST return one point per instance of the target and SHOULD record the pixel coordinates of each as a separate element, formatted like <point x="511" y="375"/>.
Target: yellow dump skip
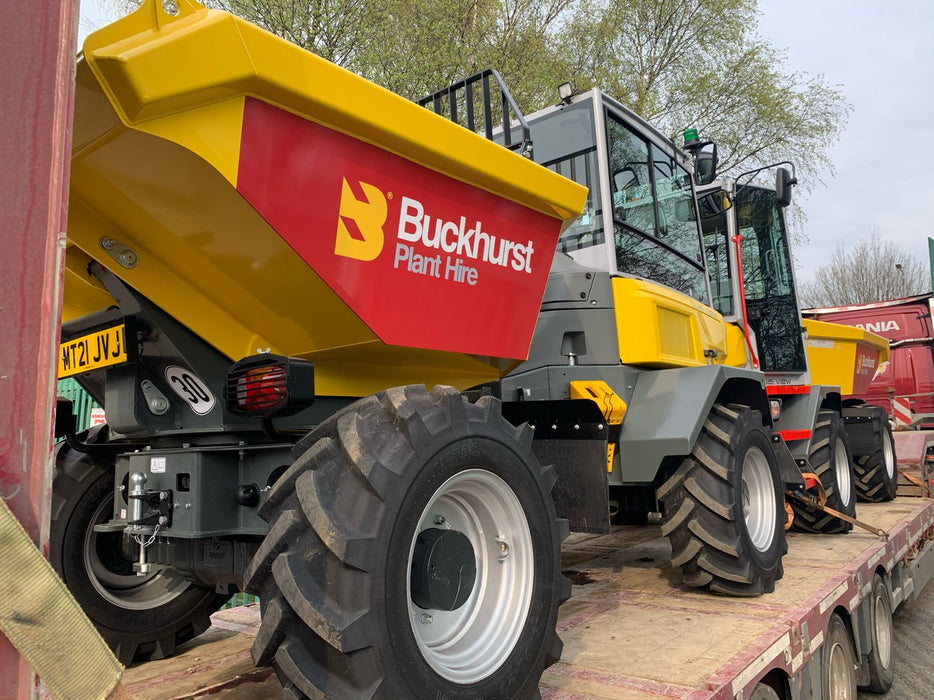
<point x="268" y="199"/>
<point x="844" y="356"/>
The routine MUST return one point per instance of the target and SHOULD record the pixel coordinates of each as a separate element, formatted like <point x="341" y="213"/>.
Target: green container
<point x="81" y="401"/>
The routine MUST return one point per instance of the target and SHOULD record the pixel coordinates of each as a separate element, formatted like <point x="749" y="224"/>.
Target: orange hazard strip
<point x="794" y="434"/>
<point x="773" y="389"/>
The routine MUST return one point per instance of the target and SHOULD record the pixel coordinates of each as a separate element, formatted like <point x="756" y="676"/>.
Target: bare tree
<point x="873" y="270"/>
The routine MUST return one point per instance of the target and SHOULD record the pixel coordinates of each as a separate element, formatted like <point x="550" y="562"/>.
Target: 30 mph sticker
<point x="190" y="387"/>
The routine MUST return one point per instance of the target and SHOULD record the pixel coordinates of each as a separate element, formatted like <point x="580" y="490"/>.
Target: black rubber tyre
<point x="881" y="661"/>
<point x="876" y="473"/>
<point x="764" y="692"/>
<point x="140" y="618"/>
<point x="838" y="663"/>
<point x="335" y="574"/>
<point x="725" y="509"/>
<point x="830" y="459"/>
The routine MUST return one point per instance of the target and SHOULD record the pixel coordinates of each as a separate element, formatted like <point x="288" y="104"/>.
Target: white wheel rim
<point x="759" y="506"/>
<point x="888" y="454"/>
<point x="840" y="674"/>
<point x="125" y="590"/>
<point x="883" y="640"/>
<point x="841" y="466"/>
<point x="470" y="643"/>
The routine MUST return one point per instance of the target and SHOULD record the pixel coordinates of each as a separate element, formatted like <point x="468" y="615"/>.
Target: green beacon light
<point x="690" y="137"/>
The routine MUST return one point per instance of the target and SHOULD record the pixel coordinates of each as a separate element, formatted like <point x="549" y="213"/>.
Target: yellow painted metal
<point x="166" y="75"/>
<point x="158" y="116"/>
<point x="659" y="327"/>
<point x="609" y="403"/>
<point x="844" y="356"/>
<point x="736" y="355"/>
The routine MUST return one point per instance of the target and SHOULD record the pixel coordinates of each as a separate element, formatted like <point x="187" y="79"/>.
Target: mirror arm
<point x="754" y="171"/>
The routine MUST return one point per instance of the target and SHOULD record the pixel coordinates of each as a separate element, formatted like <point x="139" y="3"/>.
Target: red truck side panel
<point x="907" y="325"/>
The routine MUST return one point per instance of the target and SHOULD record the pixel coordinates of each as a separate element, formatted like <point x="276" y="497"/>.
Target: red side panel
<point x="426" y="261"/>
<point x="908" y="326"/>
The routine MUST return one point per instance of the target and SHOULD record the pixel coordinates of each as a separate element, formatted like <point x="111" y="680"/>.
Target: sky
<point x="881" y="55"/>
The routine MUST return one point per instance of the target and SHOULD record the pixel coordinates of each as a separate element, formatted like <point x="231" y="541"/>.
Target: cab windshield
<point x="771" y="302"/>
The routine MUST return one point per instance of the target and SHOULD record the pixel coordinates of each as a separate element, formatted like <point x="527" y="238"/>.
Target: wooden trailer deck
<point x="630" y="629"/>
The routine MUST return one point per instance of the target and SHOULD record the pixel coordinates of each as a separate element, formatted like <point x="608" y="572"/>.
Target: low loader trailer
<point x="374" y="368"/>
<point x="632" y="632"/>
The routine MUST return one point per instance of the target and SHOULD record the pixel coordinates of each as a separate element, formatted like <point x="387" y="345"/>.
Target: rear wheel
<point x="724" y="505"/>
<point x="830" y="460"/>
<point x="140" y="617"/>
<point x="881" y="668"/>
<point x="413" y="552"/>
<point x="876" y="476"/>
<point x="764" y="692"/>
<point x="838" y="663"/>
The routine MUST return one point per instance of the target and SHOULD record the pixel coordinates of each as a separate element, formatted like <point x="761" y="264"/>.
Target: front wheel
<point x="140" y="617"/>
<point x="413" y="552"/>
<point x="724" y="505"/>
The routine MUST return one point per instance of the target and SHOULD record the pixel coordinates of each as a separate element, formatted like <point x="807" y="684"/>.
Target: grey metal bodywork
<point x="667" y="407"/>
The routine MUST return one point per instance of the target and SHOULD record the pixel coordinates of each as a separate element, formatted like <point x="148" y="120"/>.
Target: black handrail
<point x="448" y="97"/>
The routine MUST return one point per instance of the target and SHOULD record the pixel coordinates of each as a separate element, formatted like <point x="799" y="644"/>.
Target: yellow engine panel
<point x="659" y="327"/>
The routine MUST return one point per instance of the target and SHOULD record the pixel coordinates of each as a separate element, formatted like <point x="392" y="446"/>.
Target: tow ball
<point x="150" y="511"/>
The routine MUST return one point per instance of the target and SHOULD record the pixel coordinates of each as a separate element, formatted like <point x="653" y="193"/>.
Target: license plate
<point x="92" y="351"/>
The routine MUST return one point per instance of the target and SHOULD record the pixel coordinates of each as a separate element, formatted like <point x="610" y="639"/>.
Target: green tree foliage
<point x="873" y="270"/>
<point x="677" y="63"/>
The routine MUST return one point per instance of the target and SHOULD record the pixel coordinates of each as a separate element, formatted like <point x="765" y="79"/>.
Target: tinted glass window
<point x="564" y="141"/>
<point x="654" y="222"/>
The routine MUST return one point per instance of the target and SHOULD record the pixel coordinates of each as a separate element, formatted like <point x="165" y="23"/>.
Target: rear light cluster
<point x="269" y="385"/>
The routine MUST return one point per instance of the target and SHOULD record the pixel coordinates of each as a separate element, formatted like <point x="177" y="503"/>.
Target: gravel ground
<point x="914" y="650"/>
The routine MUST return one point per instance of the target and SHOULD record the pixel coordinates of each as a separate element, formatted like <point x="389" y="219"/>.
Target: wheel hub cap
<point x="444" y="569"/>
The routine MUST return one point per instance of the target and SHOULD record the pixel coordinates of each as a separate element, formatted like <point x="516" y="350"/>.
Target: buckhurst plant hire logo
<point x="360" y="235"/>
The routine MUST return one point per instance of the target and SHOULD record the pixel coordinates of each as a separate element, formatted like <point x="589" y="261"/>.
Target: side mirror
<point x="705" y="164"/>
<point x="783" y="184"/>
<point x="714" y="204"/>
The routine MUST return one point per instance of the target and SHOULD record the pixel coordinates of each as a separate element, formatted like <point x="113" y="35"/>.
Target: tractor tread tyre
<point x="828" y="430"/>
<point x="332" y="573"/>
<point x="874" y="482"/>
<point x="706" y="524"/>
<point x="82" y="496"/>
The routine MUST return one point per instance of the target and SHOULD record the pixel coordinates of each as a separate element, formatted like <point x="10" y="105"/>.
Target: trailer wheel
<point x="838" y="663"/>
<point x="140" y="618"/>
<point x="414" y="552"/>
<point x="764" y="692"/>
<point x="725" y="507"/>
<point x="881" y="668"/>
<point x="876" y="476"/>
<point x="830" y="459"/>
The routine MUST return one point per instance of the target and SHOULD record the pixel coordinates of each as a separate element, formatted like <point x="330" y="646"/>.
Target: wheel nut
<point x="426" y="619"/>
<point x="439" y="520"/>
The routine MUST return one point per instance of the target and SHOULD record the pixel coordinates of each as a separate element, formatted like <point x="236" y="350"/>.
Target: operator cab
<point x="640" y="218"/>
<point x="756" y="215"/>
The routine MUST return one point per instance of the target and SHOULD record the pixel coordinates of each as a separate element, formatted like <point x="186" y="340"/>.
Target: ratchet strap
<point x="46" y="625"/>
<point x="820" y="503"/>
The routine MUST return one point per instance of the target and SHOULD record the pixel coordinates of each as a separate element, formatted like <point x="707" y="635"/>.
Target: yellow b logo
<point x="360" y="224"/>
